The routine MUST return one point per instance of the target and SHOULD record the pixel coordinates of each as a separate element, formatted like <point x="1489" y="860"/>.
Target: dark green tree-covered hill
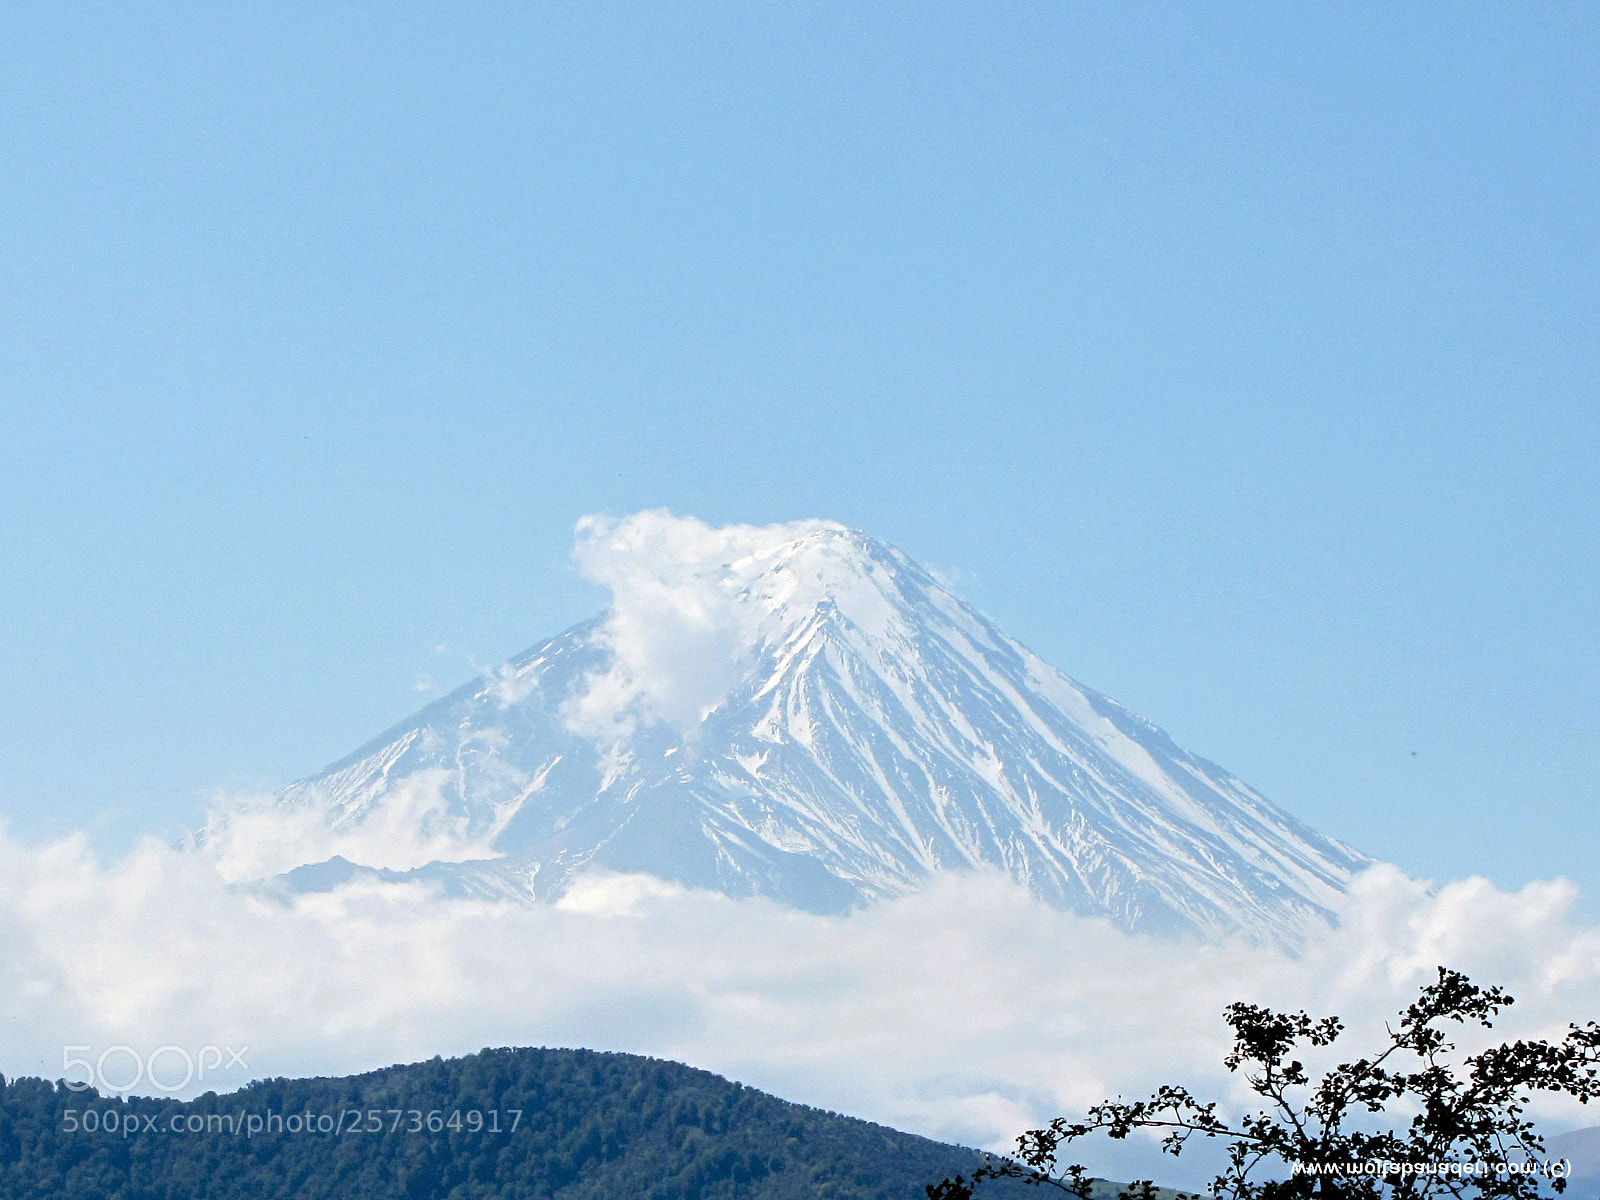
<point x="557" y="1124"/>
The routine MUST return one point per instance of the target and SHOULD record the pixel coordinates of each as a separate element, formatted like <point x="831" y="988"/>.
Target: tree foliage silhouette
<point x="1467" y="1114"/>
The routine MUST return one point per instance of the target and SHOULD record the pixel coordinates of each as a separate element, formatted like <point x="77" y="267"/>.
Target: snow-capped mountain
<point x="802" y="712"/>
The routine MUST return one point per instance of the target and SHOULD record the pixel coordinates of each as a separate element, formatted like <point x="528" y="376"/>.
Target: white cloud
<point x="680" y="622"/>
<point x="409" y="824"/>
<point x="511" y="685"/>
<point x="967" y="1011"/>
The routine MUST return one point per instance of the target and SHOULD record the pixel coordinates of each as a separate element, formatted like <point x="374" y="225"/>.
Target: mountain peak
<point x="693" y="607"/>
<point x="782" y="570"/>
<point x="801" y="711"/>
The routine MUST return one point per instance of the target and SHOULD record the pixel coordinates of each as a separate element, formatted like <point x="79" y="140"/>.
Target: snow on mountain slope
<point x="802" y="712"/>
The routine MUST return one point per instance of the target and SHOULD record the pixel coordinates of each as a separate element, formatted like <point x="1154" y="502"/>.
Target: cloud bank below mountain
<point x="967" y="1011"/>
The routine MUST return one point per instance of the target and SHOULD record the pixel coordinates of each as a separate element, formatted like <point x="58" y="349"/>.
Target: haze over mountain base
<point x="964" y="1012"/>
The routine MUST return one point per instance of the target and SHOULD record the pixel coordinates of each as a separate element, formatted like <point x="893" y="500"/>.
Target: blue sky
<point x="1241" y="361"/>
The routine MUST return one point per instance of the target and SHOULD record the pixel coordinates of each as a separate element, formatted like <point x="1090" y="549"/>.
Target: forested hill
<point x="558" y="1124"/>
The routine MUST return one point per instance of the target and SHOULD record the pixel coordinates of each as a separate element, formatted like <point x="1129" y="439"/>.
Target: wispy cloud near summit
<point x="680" y="624"/>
